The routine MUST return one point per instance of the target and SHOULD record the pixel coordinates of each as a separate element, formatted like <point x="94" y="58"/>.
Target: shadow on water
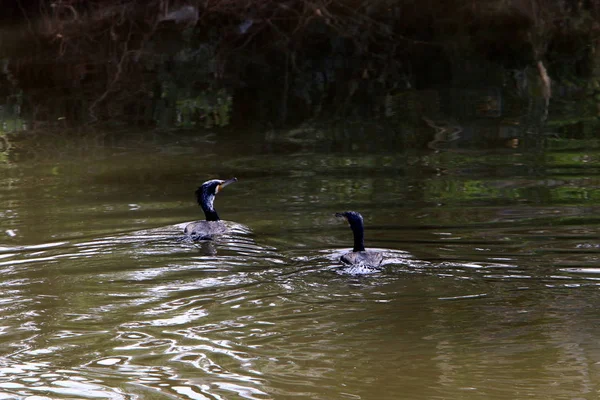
<point x="488" y="288"/>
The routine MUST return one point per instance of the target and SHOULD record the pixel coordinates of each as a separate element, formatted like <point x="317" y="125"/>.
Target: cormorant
<point x="358" y="255"/>
<point x="213" y="225"/>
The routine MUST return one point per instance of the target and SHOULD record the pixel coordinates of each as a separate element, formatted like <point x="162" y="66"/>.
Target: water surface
<point x="489" y="290"/>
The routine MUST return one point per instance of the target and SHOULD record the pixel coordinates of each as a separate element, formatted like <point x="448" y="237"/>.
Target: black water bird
<point x="358" y="255"/>
<point x="205" y="195"/>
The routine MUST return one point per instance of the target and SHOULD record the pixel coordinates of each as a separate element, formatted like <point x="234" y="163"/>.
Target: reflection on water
<point x="488" y="288"/>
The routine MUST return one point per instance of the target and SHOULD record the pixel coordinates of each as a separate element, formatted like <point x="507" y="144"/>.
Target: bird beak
<point x="341" y="215"/>
<point x="227" y="182"/>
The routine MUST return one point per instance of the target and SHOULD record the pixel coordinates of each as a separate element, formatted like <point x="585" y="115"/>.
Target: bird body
<point x="205" y="195"/>
<point x="358" y="255"/>
<point x="371" y="258"/>
<point x="204" y="230"/>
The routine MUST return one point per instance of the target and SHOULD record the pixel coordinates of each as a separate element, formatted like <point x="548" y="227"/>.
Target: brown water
<point x="489" y="291"/>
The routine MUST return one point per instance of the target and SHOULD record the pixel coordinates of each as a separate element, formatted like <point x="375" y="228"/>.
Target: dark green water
<point x="490" y="288"/>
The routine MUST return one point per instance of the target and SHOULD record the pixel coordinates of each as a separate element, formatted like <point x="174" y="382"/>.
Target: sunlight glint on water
<point x="488" y="290"/>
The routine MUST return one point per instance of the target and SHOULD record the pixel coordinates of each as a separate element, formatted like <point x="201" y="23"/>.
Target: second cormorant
<point x="205" y="195"/>
<point x="358" y="255"/>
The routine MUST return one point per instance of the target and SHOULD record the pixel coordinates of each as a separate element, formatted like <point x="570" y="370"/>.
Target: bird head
<point x="214" y="186"/>
<point x="354" y="218"/>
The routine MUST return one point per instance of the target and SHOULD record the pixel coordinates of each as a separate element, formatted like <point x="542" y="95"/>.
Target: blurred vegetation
<point x="190" y="64"/>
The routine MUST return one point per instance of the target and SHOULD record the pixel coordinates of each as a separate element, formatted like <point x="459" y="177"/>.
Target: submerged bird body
<point x="369" y="258"/>
<point x="203" y="230"/>
<point x="205" y="195"/>
<point x="358" y="255"/>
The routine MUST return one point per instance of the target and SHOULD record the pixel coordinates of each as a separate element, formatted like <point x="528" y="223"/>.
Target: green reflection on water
<point x="490" y="292"/>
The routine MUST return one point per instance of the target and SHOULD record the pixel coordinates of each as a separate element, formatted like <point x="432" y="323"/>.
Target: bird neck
<point x="206" y="202"/>
<point x="211" y="214"/>
<point x="359" y="235"/>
